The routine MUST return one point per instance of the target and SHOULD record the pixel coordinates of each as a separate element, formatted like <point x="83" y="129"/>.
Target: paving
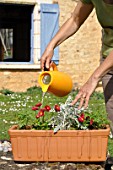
<point x="7" y="163"/>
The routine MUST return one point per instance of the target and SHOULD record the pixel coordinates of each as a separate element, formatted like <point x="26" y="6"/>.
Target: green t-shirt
<point x="104" y="13"/>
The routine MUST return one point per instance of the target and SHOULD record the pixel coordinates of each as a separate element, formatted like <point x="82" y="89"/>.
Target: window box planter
<point x="64" y="146"/>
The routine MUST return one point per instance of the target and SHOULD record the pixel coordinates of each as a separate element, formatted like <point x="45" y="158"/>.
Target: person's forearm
<point x="67" y="30"/>
<point x="104" y="68"/>
<point x="88" y="88"/>
<point x="71" y="26"/>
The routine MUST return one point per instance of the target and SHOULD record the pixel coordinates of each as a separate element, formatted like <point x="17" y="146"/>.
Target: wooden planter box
<point x="66" y="145"/>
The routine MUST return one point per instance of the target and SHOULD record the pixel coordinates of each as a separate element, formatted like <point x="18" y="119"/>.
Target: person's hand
<point x="46" y="58"/>
<point x="85" y="92"/>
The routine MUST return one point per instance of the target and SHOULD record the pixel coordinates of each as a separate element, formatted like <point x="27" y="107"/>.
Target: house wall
<point x="79" y="55"/>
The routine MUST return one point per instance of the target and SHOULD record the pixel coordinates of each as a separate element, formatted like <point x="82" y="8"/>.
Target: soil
<point x="7" y="163"/>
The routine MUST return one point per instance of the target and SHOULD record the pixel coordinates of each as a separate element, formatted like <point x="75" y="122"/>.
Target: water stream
<point x="43" y="94"/>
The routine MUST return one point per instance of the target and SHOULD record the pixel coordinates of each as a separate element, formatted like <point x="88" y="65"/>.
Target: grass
<point x="12" y="103"/>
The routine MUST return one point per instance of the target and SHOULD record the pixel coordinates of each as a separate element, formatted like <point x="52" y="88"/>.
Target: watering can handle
<point x="53" y="67"/>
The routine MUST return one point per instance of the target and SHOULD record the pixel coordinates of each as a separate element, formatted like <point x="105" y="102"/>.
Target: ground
<point x="7" y="163"/>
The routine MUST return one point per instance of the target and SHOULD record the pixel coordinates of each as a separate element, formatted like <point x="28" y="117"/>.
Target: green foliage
<point x="68" y="117"/>
<point x="27" y="120"/>
<point x="34" y="89"/>
<point x="98" y="96"/>
<point x="110" y="146"/>
<point x="6" y="91"/>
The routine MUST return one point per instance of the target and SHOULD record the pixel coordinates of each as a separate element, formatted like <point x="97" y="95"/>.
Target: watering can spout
<point x="44" y="89"/>
<point x="56" y="82"/>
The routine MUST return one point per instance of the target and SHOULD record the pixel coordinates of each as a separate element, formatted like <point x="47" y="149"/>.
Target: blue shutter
<point x="49" y="27"/>
<point x="32" y="38"/>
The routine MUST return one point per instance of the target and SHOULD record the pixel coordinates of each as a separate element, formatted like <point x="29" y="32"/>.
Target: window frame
<point x="24" y="65"/>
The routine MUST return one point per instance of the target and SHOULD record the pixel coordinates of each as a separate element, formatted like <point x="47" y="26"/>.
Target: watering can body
<point x="58" y="83"/>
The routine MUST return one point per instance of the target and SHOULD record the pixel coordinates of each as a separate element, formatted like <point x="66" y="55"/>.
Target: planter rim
<point x="14" y="131"/>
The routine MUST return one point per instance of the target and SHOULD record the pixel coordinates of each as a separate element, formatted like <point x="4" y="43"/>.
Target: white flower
<point x="5" y="121"/>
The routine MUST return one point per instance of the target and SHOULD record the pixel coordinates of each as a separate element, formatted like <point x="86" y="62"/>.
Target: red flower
<point x="40" y="113"/>
<point x="82" y="115"/>
<point x="57" y="108"/>
<point x="38" y="104"/>
<point x="81" y="118"/>
<point x="34" y="108"/>
<point x="91" y="121"/>
<point x="48" y="108"/>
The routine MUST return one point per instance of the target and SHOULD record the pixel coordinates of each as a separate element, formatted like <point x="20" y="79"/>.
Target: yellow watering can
<point x="55" y="82"/>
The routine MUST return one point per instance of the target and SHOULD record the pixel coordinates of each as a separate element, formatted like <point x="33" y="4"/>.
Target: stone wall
<point x="18" y="80"/>
<point x="79" y="55"/>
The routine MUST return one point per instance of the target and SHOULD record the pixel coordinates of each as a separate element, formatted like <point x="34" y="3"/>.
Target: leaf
<point x="57" y="129"/>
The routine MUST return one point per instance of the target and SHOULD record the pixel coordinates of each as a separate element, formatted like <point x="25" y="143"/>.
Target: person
<point x="104" y="72"/>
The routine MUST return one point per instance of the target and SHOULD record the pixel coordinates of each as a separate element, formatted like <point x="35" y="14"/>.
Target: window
<point x="15" y="33"/>
<point x="24" y="35"/>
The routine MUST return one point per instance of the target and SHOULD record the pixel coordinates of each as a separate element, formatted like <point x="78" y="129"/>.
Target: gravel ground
<point x="7" y="163"/>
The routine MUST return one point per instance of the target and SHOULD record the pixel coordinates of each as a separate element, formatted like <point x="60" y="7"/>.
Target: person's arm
<point x="88" y="88"/>
<point x="69" y="28"/>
